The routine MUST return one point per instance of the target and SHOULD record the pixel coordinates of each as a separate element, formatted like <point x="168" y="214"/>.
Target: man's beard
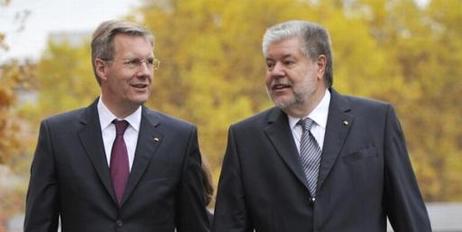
<point x="296" y="99"/>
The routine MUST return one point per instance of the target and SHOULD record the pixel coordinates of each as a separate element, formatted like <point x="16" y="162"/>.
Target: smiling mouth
<point x="277" y="87"/>
<point x="140" y="86"/>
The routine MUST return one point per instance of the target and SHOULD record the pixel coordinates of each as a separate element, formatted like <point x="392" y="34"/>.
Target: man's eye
<point x="150" y="61"/>
<point x="130" y="62"/>
<point x="288" y="62"/>
<point x="269" y="65"/>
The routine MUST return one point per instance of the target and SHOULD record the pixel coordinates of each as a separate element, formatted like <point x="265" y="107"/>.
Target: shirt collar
<point x="106" y="116"/>
<point x="318" y="115"/>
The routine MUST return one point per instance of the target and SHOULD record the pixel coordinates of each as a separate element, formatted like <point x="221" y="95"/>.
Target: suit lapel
<point x="280" y="135"/>
<point x="339" y="123"/>
<point x="92" y="142"/>
<point x="149" y="139"/>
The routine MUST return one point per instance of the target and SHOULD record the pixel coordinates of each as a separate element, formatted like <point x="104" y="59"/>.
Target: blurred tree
<point x="15" y="78"/>
<point x="424" y="53"/>
<point x="65" y="79"/>
<point x="11" y="196"/>
<point x="432" y="61"/>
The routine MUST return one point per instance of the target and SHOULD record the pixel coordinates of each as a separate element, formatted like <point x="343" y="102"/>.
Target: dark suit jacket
<point x="365" y="175"/>
<point x="70" y="178"/>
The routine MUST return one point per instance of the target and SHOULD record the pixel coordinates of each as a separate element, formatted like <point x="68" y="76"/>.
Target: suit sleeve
<point x="42" y="207"/>
<point x="191" y="208"/>
<point x="230" y="209"/>
<point x="402" y="199"/>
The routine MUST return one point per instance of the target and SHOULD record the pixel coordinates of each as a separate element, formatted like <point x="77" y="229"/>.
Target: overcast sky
<point x="52" y="16"/>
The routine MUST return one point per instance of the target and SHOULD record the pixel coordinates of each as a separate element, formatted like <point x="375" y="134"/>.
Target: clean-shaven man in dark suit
<point x="319" y="160"/>
<point x="116" y="165"/>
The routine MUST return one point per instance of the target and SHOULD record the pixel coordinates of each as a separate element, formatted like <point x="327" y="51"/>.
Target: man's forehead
<point x="285" y="48"/>
<point x="123" y="37"/>
<point x="133" y="44"/>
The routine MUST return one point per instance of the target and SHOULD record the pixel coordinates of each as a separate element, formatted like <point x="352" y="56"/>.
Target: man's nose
<point x="144" y="68"/>
<point x="278" y="70"/>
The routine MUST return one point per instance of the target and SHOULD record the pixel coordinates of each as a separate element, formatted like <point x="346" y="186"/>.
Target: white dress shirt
<point x="319" y="116"/>
<point x="108" y="131"/>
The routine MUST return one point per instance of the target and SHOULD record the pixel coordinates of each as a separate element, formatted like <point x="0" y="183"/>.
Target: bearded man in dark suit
<point x="319" y="160"/>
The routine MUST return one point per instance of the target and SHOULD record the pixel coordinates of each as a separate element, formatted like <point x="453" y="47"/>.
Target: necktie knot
<point x="120" y="125"/>
<point x="306" y="124"/>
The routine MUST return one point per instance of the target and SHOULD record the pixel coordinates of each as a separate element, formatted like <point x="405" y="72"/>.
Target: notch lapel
<point x="92" y="142"/>
<point x="280" y="135"/>
<point x="339" y="123"/>
<point x="149" y="139"/>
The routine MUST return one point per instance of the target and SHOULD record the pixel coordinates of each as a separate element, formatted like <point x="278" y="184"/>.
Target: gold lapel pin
<point x="156" y="139"/>
<point x="346" y="123"/>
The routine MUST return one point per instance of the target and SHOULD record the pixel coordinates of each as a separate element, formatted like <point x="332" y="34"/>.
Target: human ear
<point x="101" y="69"/>
<point x="321" y="64"/>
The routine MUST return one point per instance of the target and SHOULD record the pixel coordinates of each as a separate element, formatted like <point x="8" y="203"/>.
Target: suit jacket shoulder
<point x="360" y="107"/>
<point x="359" y="102"/>
<point x="170" y="121"/>
<point x="260" y="120"/>
<point x="66" y="118"/>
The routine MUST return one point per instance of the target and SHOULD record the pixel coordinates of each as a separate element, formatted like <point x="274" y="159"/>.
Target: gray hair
<point x="316" y="41"/>
<point x="102" y="46"/>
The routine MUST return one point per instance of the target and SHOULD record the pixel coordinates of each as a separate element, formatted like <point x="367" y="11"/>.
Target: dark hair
<point x="207" y="182"/>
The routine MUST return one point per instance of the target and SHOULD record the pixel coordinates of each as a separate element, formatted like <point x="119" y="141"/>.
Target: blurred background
<point x="407" y="52"/>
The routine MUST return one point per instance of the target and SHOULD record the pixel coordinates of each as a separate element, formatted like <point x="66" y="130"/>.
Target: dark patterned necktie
<point x="310" y="155"/>
<point x="119" y="160"/>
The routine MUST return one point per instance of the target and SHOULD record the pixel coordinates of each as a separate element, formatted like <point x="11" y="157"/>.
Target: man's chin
<point x="283" y="103"/>
<point x="139" y="100"/>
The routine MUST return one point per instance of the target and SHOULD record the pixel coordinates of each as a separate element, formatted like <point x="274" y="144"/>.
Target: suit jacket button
<point x="119" y="223"/>
<point x="312" y="200"/>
